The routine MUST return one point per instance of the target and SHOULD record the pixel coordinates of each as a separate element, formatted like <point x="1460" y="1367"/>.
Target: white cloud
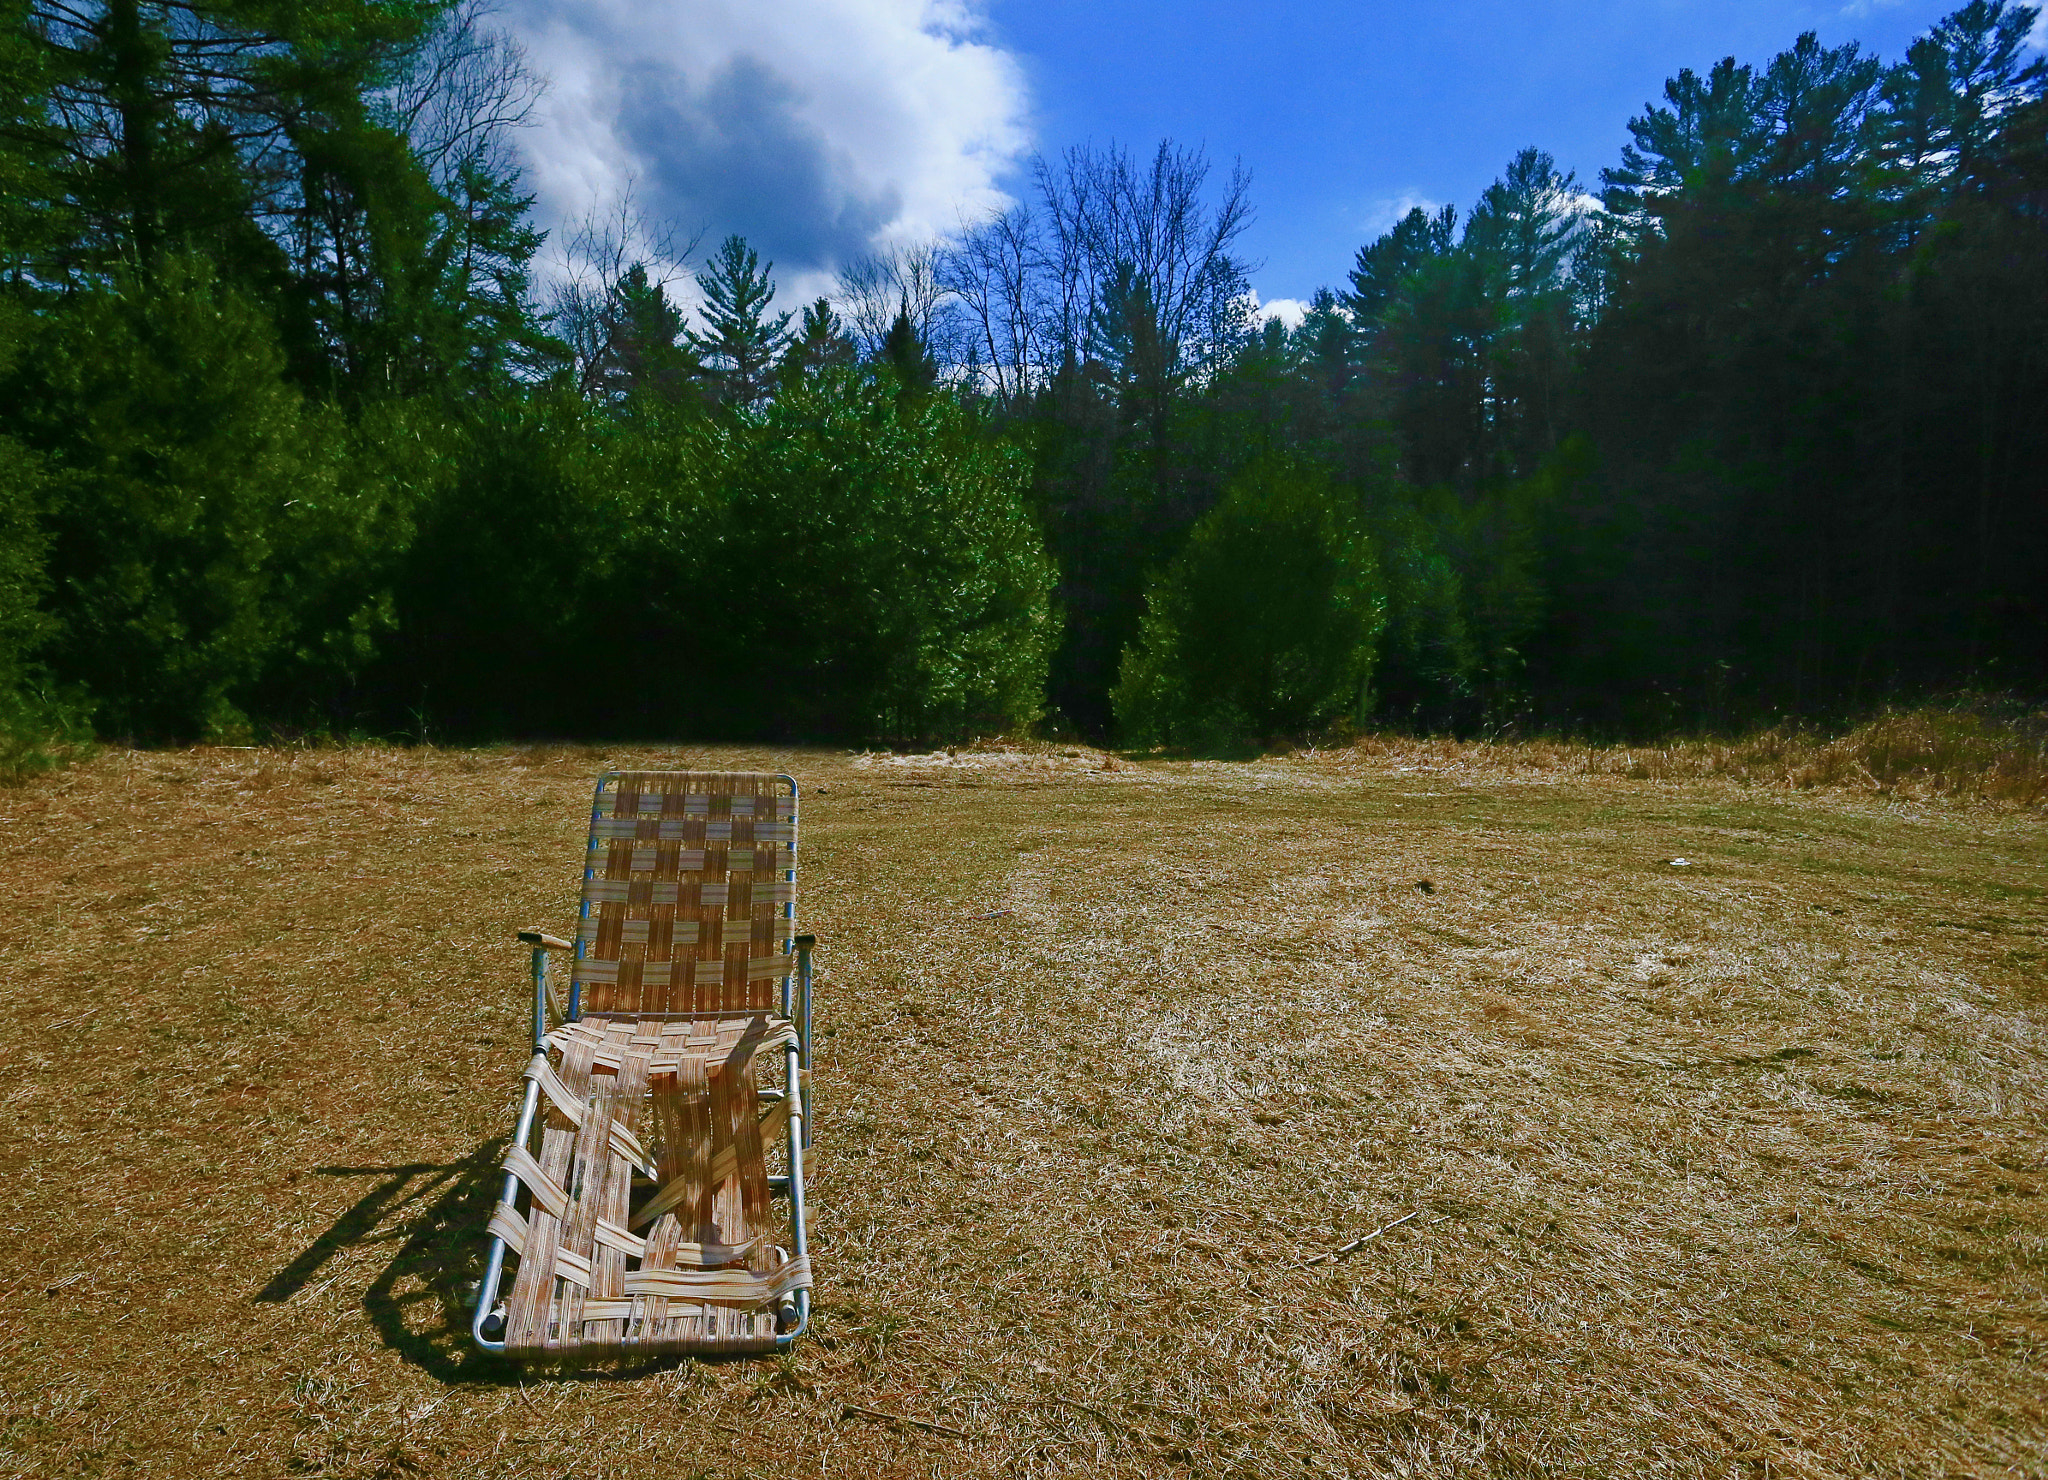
<point x="1377" y="219"/>
<point x="1289" y="311"/>
<point x="818" y="129"/>
<point x="1858" y="9"/>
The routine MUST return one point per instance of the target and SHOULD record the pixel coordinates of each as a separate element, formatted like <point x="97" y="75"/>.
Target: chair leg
<point x="804" y="943"/>
<point x="494" y="1272"/>
<point x="800" y="1243"/>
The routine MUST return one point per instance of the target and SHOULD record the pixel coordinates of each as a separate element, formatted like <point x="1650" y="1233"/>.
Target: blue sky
<point x="1346" y="112"/>
<point x="821" y="129"/>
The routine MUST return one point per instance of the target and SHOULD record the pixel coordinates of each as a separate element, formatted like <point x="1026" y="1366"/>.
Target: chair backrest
<point x="689" y="893"/>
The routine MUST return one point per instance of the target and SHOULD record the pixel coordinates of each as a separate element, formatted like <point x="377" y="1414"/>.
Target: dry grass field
<point x="1734" y="1167"/>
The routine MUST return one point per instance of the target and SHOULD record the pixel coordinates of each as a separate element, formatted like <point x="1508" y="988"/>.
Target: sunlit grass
<point x="1715" y="1165"/>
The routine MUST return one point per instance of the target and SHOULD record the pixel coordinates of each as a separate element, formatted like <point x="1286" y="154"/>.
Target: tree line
<point x="306" y="428"/>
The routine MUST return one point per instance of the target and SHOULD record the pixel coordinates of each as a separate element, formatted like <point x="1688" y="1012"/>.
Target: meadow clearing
<point x="1727" y="1167"/>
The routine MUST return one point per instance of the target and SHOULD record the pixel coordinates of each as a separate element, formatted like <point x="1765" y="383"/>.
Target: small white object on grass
<point x="1679" y="862"/>
<point x="1358" y="1243"/>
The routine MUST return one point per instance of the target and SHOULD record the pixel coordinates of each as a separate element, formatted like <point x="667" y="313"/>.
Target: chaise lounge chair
<point x="641" y="1221"/>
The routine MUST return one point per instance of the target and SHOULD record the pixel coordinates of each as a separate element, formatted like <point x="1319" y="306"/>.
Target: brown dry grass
<point x="1982" y="752"/>
<point x="1734" y="1168"/>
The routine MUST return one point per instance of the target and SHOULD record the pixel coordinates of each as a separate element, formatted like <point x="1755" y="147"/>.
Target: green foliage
<point x="284" y="443"/>
<point x="337" y="557"/>
<point x="523" y="527"/>
<point x="847" y="564"/>
<point x="1423" y="677"/>
<point x="742" y="341"/>
<point x="908" y="358"/>
<point x="26" y="144"/>
<point x="1470" y="343"/>
<point x="1493" y="543"/>
<point x="822" y="343"/>
<point x="893" y="583"/>
<point x="1811" y="388"/>
<point x="1265" y="624"/>
<point x="648" y="352"/>
<point x="24" y="626"/>
<point x="1385" y="265"/>
<point x="195" y="504"/>
<point x="38" y="725"/>
<point x="480" y="259"/>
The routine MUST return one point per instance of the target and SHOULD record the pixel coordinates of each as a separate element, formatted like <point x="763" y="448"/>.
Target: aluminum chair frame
<point x="796" y="1001"/>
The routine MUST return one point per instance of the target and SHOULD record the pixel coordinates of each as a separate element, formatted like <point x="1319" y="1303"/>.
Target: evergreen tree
<point x="1134" y="349"/>
<point x="1385" y="264"/>
<point x="1326" y="343"/>
<point x="1732" y="358"/>
<point x="515" y="569"/>
<point x="741" y="341"/>
<point x="1524" y="235"/>
<point x="31" y="718"/>
<point x="482" y="253"/>
<point x="24" y="194"/>
<point x="821" y="343"/>
<point x="1265" y="624"/>
<point x="281" y="441"/>
<point x="194" y="502"/>
<point x="1946" y="105"/>
<point x="648" y="350"/>
<point x="28" y="143"/>
<point x="192" y="124"/>
<point x="921" y="605"/>
<point x="904" y="352"/>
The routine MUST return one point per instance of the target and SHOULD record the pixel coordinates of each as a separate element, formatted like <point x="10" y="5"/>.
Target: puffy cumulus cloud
<point x="817" y="129"/>
<point x="1289" y="311"/>
<point x="1377" y="219"/>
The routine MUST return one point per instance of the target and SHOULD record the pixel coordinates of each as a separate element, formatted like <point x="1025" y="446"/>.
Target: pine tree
<point x="1526" y="225"/>
<point x="1943" y="107"/>
<point x="904" y="352"/>
<point x="483" y="248"/>
<point x="191" y="124"/>
<point x="648" y="350"/>
<point x="1326" y="342"/>
<point x="195" y="507"/>
<point x="1264" y="624"/>
<point x="822" y="343"/>
<point x="741" y="341"/>
<point x="1383" y="265"/>
<point x="27" y="143"/>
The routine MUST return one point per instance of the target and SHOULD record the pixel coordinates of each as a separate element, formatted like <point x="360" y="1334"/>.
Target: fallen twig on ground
<point x="1332" y="1256"/>
<point x="930" y="1426"/>
<point x="1117" y="1423"/>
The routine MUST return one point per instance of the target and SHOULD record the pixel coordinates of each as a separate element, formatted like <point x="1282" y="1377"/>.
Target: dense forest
<point x="307" y="429"/>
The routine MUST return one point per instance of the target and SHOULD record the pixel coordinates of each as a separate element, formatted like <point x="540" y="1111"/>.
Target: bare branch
<point x="591" y="260"/>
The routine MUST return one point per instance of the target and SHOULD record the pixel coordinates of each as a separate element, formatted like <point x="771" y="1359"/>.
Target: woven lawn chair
<point x="641" y="1220"/>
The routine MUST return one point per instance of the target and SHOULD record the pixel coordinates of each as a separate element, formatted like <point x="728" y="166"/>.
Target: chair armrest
<point x="543" y="996"/>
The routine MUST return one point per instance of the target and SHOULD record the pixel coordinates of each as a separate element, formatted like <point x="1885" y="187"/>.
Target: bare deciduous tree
<point x="1110" y="237"/>
<point x="462" y="91"/>
<point x="590" y="262"/>
<point x="908" y="280"/>
<point x="996" y="269"/>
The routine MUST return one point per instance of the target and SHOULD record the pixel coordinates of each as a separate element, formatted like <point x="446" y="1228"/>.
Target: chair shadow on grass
<point x="420" y="1302"/>
<point x="434" y="1214"/>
